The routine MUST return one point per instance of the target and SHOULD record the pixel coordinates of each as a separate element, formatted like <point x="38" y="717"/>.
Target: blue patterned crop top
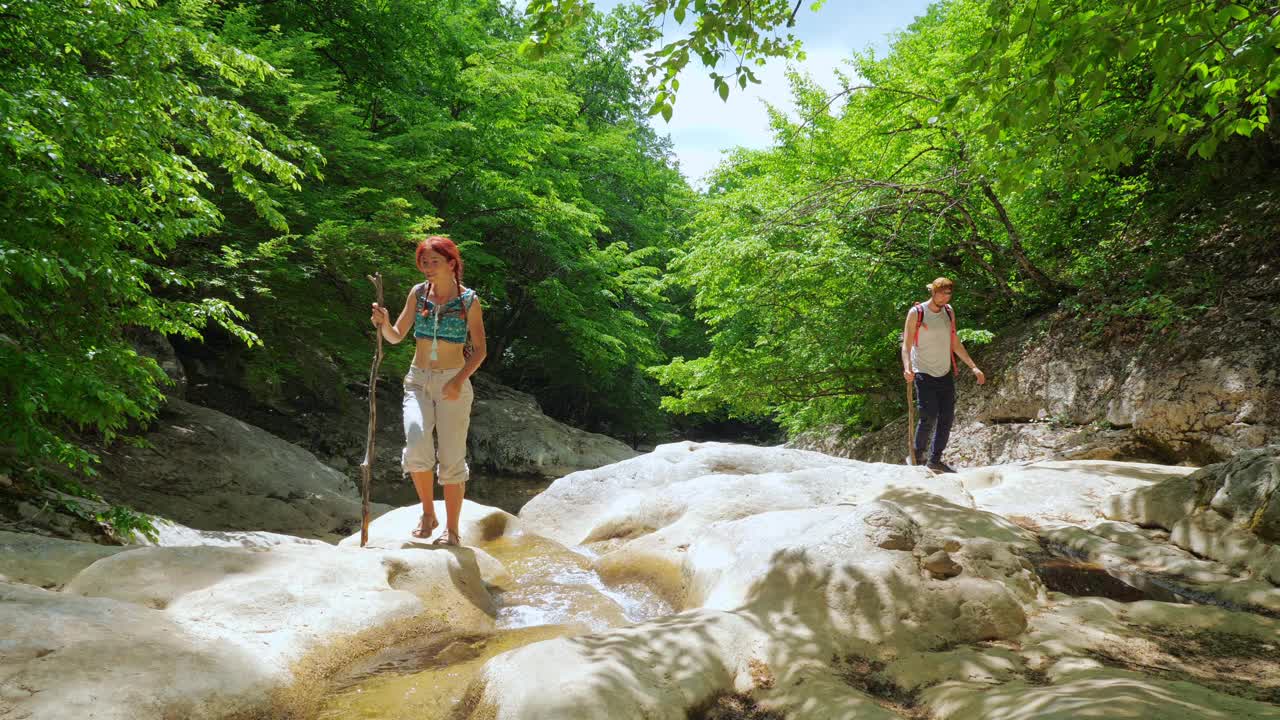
<point x="452" y="327"/>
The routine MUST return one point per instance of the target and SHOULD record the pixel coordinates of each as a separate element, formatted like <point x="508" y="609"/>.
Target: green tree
<point x="806" y="256"/>
<point x="1103" y="81"/>
<point x="562" y="197"/>
<point x="745" y="33"/>
<point x="109" y="135"/>
<point x="975" y="148"/>
<point x="1042" y="72"/>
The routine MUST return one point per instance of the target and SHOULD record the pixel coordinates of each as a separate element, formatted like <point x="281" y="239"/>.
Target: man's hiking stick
<point x="911" y="423"/>
<point x="366" y="467"/>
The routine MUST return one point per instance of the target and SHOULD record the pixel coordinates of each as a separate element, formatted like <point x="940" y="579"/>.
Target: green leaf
<point x="1236" y="12"/>
<point x="1022" y="23"/>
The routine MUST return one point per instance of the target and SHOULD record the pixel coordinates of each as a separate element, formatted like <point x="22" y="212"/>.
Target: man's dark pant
<point x="936" y="404"/>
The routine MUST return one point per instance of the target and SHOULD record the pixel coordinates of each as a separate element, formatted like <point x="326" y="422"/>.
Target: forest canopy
<point x="231" y="172"/>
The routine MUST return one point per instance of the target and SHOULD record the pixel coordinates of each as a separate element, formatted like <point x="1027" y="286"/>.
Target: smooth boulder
<point x="210" y="471"/>
<point x="510" y="435"/>
<point x="783" y="560"/>
<point x="45" y="561"/>
<point x="204" y="631"/>
<point x="1229" y="511"/>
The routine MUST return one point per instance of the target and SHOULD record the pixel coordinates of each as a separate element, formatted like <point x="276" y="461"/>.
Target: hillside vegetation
<point x="229" y="174"/>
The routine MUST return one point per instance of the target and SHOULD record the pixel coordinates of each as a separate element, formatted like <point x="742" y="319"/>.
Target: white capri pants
<point x="425" y="409"/>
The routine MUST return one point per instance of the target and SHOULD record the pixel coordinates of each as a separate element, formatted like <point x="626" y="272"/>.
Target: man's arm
<point x="957" y="347"/>
<point x="908" y="333"/>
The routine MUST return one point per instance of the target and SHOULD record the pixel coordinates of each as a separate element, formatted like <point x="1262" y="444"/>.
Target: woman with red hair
<point x="449" y="333"/>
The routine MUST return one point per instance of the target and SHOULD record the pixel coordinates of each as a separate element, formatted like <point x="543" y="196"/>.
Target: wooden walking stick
<point x="911" y="424"/>
<point x="366" y="467"/>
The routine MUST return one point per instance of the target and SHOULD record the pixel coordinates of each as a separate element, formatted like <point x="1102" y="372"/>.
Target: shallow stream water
<point x="553" y="593"/>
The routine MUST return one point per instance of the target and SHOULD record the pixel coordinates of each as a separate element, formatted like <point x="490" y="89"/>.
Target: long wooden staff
<point x="366" y="467"/>
<point x="911" y="424"/>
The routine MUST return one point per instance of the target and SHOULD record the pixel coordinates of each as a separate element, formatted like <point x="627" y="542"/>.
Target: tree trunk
<point x="1015" y="243"/>
<point x="503" y="332"/>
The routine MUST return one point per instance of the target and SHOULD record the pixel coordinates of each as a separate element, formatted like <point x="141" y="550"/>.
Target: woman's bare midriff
<point x="448" y="355"/>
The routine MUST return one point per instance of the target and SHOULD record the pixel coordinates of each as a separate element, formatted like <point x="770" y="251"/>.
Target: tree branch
<point x="1015" y="242"/>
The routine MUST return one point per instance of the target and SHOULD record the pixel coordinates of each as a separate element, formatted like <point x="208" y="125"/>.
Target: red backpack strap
<point x="918" y="308"/>
<point x="952" y="317"/>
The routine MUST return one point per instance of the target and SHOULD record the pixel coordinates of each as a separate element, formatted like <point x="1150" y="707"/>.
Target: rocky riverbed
<point x="698" y="580"/>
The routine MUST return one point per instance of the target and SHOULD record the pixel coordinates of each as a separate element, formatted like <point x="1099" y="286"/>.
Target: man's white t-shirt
<point x="932" y="355"/>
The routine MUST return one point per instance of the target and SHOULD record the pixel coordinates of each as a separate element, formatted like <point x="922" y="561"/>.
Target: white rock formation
<point x="1229" y="512"/>
<point x="47" y="562"/>
<point x="1051" y="493"/>
<point x="816" y="586"/>
<point x="476" y="524"/>
<point x="67" y="656"/>
<point x="791" y="558"/>
<point x="812" y="583"/>
<point x="150" y="633"/>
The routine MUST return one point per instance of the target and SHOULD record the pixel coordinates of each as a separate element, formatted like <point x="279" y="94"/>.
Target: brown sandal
<point x="422" y="531"/>
<point x="447" y="537"/>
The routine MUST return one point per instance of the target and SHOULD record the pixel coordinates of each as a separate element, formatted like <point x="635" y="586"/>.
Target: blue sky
<point x="703" y="126"/>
